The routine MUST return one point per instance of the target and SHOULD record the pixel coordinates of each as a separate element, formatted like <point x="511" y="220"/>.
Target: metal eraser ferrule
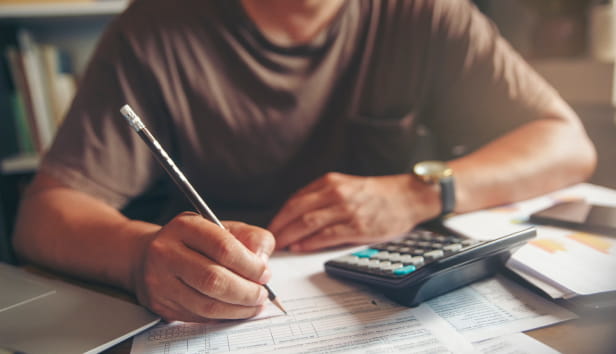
<point x="132" y="118"/>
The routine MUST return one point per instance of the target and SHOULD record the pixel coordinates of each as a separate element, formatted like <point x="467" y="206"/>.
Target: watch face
<point x="432" y="171"/>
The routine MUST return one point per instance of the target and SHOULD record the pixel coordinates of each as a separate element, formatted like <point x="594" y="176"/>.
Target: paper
<point x="561" y="262"/>
<point x="329" y="315"/>
<point x="495" y="307"/>
<point x="494" y="222"/>
<point x="325" y="315"/>
<point x="516" y="343"/>
<point x="344" y="322"/>
<point x="574" y="262"/>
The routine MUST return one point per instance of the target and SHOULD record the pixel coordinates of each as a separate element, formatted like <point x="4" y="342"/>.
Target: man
<point x="300" y="115"/>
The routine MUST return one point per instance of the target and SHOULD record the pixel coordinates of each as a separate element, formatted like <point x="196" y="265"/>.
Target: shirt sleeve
<point x="95" y="151"/>
<point x="482" y="87"/>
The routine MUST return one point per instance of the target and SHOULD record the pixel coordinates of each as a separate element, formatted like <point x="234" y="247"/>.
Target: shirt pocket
<point x="379" y="145"/>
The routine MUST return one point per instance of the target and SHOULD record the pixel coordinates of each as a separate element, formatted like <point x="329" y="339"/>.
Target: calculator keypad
<point x="405" y="255"/>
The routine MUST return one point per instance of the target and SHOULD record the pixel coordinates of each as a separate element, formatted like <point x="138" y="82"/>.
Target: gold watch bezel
<point x="432" y="171"/>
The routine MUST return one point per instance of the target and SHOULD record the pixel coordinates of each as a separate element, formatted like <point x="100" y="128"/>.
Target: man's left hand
<point x="339" y="209"/>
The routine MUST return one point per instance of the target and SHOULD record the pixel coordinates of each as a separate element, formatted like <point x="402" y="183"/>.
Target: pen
<point x="180" y="180"/>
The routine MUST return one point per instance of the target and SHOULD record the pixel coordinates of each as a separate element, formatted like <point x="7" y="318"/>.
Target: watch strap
<point x="448" y="195"/>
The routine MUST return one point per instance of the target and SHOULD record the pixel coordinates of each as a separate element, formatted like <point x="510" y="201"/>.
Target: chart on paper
<point x="337" y="322"/>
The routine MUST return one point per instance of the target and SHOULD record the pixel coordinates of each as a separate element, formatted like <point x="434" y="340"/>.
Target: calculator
<point x="426" y="262"/>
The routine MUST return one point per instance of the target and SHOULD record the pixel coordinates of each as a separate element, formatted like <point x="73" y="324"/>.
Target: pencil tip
<point x="277" y="303"/>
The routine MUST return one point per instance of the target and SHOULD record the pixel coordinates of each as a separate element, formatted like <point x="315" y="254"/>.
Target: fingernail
<point x="266" y="276"/>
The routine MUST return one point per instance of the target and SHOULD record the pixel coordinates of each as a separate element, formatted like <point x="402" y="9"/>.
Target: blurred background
<point x="572" y="44"/>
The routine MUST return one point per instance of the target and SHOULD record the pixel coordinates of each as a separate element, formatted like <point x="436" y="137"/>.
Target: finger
<point x="220" y="246"/>
<point x="201" y="307"/>
<point x="215" y="281"/>
<point x="336" y="235"/>
<point x="327" y="179"/>
<point x="297" y="206"/>
<point x="260" y="241"/>
<point x="312" y="222"/>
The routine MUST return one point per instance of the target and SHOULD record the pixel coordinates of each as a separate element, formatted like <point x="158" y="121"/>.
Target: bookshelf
<point x="73" y="27"/>
<point x="26" y="13"/>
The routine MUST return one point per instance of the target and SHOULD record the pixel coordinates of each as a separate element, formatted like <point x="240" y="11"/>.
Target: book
<point x="8" y="137"/>
<point x="33" y="71"/>
<point x="61" y="83"/>
<point x="22" y="97"/>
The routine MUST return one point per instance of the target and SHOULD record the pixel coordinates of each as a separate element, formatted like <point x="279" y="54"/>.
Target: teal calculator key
<point x="367" y="253"/>
<point x="405" y="270"/>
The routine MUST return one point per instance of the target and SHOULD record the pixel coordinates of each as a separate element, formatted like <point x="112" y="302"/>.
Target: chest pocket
<point x="380" y="146"/>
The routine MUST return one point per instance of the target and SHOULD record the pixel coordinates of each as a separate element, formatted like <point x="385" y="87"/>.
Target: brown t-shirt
<point x="250" y="122"/>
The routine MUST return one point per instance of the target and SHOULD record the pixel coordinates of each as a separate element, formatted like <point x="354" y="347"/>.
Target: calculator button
<point x="452" y="247"/>
<point x="433" y="254"/>
<point x="417" y="252"/>
<point x="441" y="239"/>
<point x="363" y="262"/>
<point x="417" y="261"/>
<point x="380" y="246"/>
<point x="381" y="255"/>
<point x="392" y="248"/>
<point x="406" y="259"/>
<point x="373" y="264"/>
<point x="366" y="253"/>
<point x="394" y="257"/>
<point x="468" y="242"/>
<point x="404" y="249"/>
<point x="349" y="259"/>
<point x="388" y="267"/>
<point x="404" y="270"/>
<point x="413" y="236"/>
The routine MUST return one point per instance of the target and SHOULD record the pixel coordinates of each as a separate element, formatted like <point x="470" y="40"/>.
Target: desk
<point x="591" y="333"/>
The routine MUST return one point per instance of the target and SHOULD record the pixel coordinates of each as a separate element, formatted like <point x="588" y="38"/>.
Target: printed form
<point x="348" y="321"/>
<point x="328" y="315"/>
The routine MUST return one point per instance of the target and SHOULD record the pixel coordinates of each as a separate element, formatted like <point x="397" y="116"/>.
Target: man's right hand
<point x="192" y="270"/>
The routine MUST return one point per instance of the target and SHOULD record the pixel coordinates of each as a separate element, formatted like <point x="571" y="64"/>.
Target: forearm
<point x="72" y="232"/>
<point x="538" y="157"/>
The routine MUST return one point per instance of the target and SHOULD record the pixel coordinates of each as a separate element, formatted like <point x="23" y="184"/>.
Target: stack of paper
<point x="563" y="263"/>
<point x="327" y="315"/>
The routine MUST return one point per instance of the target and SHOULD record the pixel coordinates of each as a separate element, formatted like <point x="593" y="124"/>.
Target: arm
<point x="537" y="157"/>
<point x="186" y="270"/>
<point x="340" y="209"/>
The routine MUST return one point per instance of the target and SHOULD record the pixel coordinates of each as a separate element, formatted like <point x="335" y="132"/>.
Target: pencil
<point x="180" y="180"/>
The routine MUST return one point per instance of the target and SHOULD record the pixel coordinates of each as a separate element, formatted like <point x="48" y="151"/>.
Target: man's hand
<point x="342" y="209"/>
<point x="191" y="270"/>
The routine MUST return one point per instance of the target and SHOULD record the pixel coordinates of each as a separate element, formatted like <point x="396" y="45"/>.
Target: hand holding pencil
<point x="193" y="269"/>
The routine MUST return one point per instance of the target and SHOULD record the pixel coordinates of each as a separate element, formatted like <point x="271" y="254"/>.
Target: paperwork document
<point x="343" y="322"/>
<point x="561" y="262"/>
<point x="328" y="315"/>
<point x="495" y="307"/>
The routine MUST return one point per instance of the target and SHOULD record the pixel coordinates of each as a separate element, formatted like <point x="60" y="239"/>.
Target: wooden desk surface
<point x="594" y="332"/>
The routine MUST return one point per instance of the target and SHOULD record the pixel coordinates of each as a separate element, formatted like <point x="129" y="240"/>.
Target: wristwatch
<point x="433" y="172"/>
